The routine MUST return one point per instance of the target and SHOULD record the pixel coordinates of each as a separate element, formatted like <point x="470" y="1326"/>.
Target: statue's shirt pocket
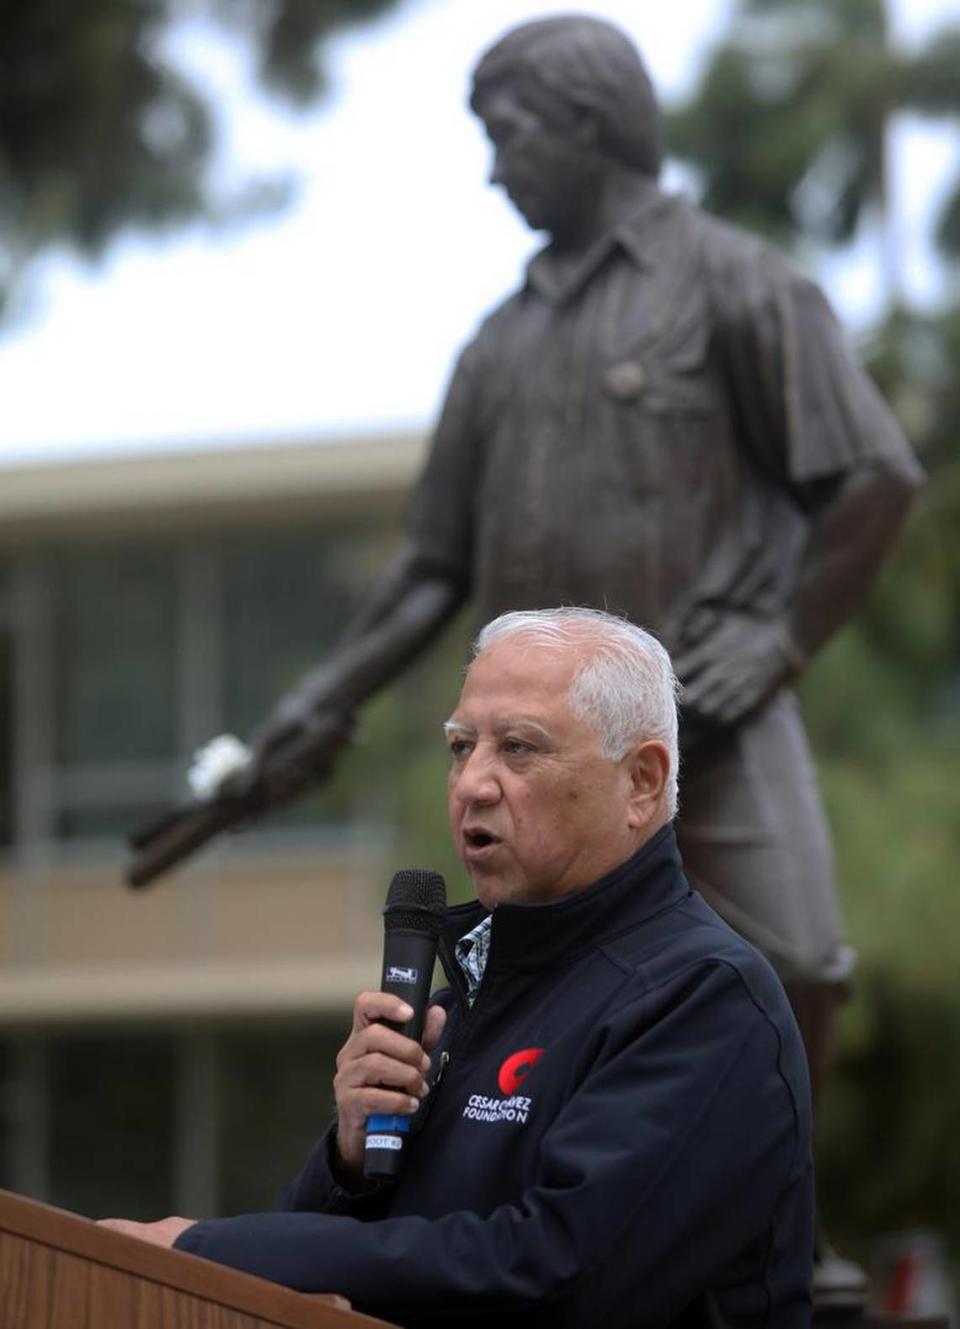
<point x="654" y="387"/>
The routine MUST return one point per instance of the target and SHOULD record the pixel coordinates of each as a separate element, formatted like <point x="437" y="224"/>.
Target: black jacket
<point x="620" y="1136"/>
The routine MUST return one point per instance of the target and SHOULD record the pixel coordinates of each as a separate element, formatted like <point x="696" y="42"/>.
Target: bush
<point x="888" y="1152"/>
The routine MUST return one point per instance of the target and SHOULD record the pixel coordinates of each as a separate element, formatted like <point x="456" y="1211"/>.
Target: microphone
<point x="412" y="919"/>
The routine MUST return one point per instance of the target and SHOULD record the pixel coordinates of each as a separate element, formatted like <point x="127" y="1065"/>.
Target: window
<point x="111" y="1133"/>
<point x="115" y="643"/>
<point x="276" y="1099"/>
<point x="125" y="1120"/>
<point x="129" y="653"/>
<point x="285" y="598"/>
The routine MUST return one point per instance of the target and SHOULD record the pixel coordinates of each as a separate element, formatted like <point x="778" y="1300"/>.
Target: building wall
<point x="171" y="1049"/>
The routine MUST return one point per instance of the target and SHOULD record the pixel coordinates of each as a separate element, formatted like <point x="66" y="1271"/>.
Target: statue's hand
<point x="288" y="721"/>
<point x="294" y="747"/>
<point x="735" y="666"/>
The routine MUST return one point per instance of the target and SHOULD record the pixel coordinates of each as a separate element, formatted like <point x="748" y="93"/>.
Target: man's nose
<point x="477" y="780"/>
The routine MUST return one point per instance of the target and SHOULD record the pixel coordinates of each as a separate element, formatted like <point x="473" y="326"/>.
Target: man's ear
<point x="648" y="766"/>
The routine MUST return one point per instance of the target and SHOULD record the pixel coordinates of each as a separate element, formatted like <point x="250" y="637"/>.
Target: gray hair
<point x="626" y="690"/>
<point x="577" y="62"/>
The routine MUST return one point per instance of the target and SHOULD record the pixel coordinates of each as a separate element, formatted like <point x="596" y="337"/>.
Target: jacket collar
<point x="535" y="934"/>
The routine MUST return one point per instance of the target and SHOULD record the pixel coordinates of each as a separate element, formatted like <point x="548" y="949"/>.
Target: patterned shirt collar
<point x="472" y="951"/>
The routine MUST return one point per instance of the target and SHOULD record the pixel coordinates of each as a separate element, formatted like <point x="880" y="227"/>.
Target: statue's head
<point x="565" y="99"/>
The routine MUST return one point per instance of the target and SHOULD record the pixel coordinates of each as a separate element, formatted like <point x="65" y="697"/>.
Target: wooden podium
<point x="58" y="1271"/>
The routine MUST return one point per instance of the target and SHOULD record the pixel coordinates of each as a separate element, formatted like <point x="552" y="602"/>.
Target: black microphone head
<point x="416" y="901"/>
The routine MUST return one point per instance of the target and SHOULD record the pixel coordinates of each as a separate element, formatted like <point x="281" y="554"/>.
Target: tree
<point x="99" y="131"/>
<point x="803" y="92"/>
<point x="788" y="129"/>
<point x="790" y="126"/>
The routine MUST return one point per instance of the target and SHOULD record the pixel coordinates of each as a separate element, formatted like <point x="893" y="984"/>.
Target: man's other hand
<point x="379" y="1071"/>
<point x="163" y="1233"/>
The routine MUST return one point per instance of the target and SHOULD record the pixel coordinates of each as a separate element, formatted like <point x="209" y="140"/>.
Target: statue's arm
<point x="740" y="661"/>
<point x="409" y="603"/>
<point x="816" y="420"/>
<point x="300" y="740"/>
<point x="405" y="610"/>
<point x="855" y="520"/>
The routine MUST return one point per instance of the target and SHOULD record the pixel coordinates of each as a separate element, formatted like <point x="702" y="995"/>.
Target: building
<point x="170" y="1050"/>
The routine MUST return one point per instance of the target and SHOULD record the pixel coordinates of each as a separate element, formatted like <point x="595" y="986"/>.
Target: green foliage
<point x="787" y="129"/>
<point x="100" y="131"/>
<point x="94" y="129"/>
<point x="883" y="708"/>
<point x="888" y="1149"/>
<point x="897" y="834"/>
<point x="932" y="81"/>
<point x="948" y="228"/>
<point x="788" y="132"/>
<point x="290" y="37"/>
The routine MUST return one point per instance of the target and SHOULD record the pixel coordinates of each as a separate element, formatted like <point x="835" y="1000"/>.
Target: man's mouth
<point x="475" y="840"/>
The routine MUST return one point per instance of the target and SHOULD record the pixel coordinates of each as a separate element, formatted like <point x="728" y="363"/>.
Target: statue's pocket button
<point x="626" y="380"/>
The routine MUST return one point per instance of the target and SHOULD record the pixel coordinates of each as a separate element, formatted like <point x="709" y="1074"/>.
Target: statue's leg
<point x="816" y="1006"/>
<point x="755" y="842"/>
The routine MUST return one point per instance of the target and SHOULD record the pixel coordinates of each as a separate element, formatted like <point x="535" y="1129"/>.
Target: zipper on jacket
<point x="441" y="1069"/>
<point x="455" y="978"/>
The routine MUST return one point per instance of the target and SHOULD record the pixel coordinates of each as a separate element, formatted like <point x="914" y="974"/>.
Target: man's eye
<point x="459" y="747"/>
<point x="515" y="747"/>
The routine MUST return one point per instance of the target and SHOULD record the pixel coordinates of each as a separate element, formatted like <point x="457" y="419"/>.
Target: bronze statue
<point x="663" y="421"/>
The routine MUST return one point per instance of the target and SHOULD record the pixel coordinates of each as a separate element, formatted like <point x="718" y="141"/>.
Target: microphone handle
<point x="408" y="960"/>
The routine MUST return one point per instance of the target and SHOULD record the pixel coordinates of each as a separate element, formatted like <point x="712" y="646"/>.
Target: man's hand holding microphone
<point x="380" y="1072"/>
<point x="381" y="1069"/>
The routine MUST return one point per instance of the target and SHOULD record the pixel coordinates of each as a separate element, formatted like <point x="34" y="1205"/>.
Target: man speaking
<point x="612" y="1126"/>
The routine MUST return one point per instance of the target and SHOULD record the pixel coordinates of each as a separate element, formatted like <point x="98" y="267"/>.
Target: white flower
<point x="215" y="762"/>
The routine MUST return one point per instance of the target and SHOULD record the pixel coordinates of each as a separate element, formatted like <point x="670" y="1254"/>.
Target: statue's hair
<point x="625" y="689"/>
<point x="575" y="62"/>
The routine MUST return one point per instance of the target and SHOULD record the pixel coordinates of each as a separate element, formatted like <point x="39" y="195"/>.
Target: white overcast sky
<point x="342" y="314"/>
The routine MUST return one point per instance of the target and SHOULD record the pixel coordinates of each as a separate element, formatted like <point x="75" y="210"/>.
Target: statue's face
<point x="550" y="176"/>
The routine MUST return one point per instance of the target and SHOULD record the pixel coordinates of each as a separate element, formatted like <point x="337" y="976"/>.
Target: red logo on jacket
<point x="516" y="1068"/>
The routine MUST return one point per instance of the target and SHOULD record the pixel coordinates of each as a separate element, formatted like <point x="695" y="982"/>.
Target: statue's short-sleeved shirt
<point x="642" y="431"/>
<point x="636" y="432"/>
